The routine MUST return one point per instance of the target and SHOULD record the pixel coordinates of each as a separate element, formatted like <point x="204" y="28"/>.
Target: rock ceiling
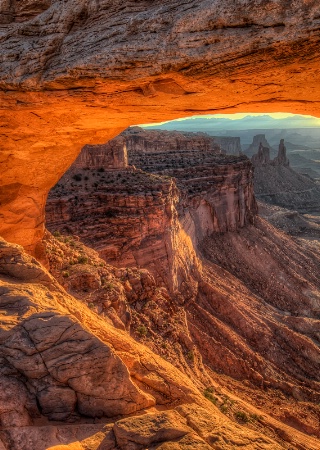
<point x="77" y="71"/>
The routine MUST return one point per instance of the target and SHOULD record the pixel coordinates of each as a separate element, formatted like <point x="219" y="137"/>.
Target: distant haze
<point x="296" y="130"/>
<point x="231" y="122"/>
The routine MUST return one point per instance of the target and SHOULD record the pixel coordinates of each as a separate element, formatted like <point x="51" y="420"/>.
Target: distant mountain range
<point x="301" y="132"/>
<point x="213" y="124"/>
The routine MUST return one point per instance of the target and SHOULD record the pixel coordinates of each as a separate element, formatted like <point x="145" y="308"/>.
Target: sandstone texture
<point x="152" y="219"/>
<point x="80" y="72"/>
<point x="144" y="141"/>
<point x="86" y="373"/>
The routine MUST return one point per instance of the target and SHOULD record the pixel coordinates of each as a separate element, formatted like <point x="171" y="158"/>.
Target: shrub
<point x="82" y="259"/>
<point x="190" y="356"/>
<point x="142" y="330"/>
<point x="224" y="408"/>
<point x="77" y="177"/>
<point x="56" y="234"/>
<point x="65" y="274"/>
<point x="242" y="416"/>
<point x="208" y="394"/>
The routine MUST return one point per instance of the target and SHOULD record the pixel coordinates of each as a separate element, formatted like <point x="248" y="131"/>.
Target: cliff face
<point x="128" y="216"/>
<point x="142" y="219"/>
<point x="112" y="155"/>
<point x="230" y="145"/>
<point x="141" y="141"/>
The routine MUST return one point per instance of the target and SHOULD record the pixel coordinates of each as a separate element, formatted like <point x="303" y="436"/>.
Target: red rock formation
<point x="131" y="217"/>
<point x="281" y="159"/>
<point x="218" y="301"/>
<point x="62" y="88"/>
<point x="229" y="144"/>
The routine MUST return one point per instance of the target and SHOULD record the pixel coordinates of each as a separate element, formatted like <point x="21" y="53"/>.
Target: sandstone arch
<point x="76" y="72"/>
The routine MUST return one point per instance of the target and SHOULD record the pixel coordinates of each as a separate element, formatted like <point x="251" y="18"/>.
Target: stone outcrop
<point x="129" y="217"/>
<point x="258" y="141"/>
<point x="281" y="159"/>
<point x="151" y="62"/>
<point x="230" y="145"/>
<point x="277" y="183"/>
<point x="44" y="330"/>
<point x="216" y="285"/>
<point x="262" y="157"/>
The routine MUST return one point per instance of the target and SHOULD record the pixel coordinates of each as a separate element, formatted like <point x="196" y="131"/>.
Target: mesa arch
<point x="78" y="72"/>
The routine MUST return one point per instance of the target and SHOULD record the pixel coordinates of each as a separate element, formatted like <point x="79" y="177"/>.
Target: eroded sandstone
<point x="61" y="87"/>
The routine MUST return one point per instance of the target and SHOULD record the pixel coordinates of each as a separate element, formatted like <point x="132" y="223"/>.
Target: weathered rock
<point x="262" y="157"/>
<point x="59" y="437"/>
<point x="152" y="62"/>
<point x="112" y="155"/>
<point x="135" y="221"/>
<point x="140" y="141"/>
<point x="259" y="140"/>
<point x="143" y="431"/>
<point x="281" y="159"/>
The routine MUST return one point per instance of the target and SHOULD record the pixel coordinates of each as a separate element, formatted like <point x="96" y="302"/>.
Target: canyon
<point x="196" y="324"/>
<point x="188" y="220"/>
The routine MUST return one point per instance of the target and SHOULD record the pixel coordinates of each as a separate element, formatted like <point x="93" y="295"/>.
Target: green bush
<point x="208" y="394"/>
<point x="142" y="330"/>
<point x="242" y="416"/>
<point x="82" y="259"/>
<point x="190" y="356"/>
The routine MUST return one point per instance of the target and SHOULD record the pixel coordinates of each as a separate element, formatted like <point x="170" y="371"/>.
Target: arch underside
<point x="81" y="74"/>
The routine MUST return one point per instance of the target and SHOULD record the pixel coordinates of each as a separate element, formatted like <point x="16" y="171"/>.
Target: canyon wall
<point x="147" y="219"/>
<point x="139" y="140"/>
<point x="257" y="141"/>
<point x="209" y="285"/>
<point x="62" y="88"/>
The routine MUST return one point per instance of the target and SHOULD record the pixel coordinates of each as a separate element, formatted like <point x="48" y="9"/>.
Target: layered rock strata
<point x="220" y="303"/>
<point x="129" y="217"/>
<point x="134" y="218"/>
<point x="230" y="145"/>
<point x="62" y="88"/>
<point x="139" y="140"/>
<point x="259" y="140"/>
